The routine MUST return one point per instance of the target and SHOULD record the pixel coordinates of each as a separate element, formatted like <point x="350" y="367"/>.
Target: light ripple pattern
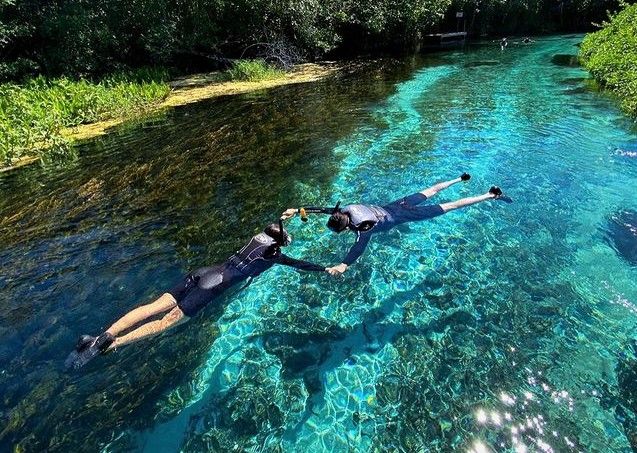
<point x="502" y="327"/>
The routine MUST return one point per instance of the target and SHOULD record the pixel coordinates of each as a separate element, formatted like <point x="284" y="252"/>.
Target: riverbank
<point x="181" y="91"/>
<point x="34" y="113"/>
<point x="611" y="57"/>
<point x="197" y="87"/>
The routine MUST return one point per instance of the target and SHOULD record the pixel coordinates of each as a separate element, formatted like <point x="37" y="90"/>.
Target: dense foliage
<point x="611" y="56"/>
<point x="73" y="37"/>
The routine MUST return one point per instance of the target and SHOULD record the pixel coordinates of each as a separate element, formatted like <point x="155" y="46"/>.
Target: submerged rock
<point x="565" y="60"/>
<point x="622" y="235"/>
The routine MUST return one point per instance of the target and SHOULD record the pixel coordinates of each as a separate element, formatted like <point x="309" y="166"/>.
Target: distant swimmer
<point x="365" y="220"/>
<point x="192" y="294"/>
<point x="503" y="43"/>
<point x="625" y="153"/>
<point x="527" y="40"/>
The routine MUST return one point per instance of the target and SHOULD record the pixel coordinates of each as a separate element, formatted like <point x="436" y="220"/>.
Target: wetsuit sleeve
<point x="316" y="210"/>
<point x="299" y="264"/>
<point x="362" y="239"/>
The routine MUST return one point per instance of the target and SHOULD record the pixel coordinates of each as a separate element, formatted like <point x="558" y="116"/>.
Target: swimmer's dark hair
<point x="273" y="230"/>
<point x="338" y="222"/>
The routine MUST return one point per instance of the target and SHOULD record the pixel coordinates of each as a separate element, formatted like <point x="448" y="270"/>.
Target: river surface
<point x="503" y="327"/>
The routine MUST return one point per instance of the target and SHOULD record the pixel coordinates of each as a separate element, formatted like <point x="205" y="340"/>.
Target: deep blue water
<point x="504" y="327"/>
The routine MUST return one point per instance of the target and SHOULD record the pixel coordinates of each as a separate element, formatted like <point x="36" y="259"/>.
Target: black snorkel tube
<point x="336" y="208"/>
<point x="282" y="240"/>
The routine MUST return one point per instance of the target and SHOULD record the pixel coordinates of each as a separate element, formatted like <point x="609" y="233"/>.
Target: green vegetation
<point x="253" y="71"/>
<point x="79" y="37"/>
<point x="611" y="56"/>
<point x="75" y="42"/>
<point x="32" y="115"/>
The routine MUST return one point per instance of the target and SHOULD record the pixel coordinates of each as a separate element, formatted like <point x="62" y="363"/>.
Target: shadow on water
<point x="621" y="235"/>
<point x="84" y="242"/>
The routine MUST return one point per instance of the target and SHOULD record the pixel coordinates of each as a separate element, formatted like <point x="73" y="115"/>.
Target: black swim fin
<point x="84" y="342"/>
<point x="495" y="190"/>
<point x="87" y="349"/>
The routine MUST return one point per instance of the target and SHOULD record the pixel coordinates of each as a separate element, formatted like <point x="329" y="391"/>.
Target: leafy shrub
<point x="611" y="56"/>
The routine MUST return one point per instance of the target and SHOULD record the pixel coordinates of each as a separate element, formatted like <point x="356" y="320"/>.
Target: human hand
<point x="336" y="270"/>
<point x="289" y="213"/>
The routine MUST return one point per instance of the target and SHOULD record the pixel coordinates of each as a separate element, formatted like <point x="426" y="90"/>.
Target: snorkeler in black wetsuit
<point x="365" y="220"/>
<point x="193" y="293"/>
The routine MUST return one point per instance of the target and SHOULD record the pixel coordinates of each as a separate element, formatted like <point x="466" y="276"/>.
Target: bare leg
<point x="433" y="190"/>
<point x="164" y="303"/>
<point x="466" y="202"/>
<point x="173" y="318"/>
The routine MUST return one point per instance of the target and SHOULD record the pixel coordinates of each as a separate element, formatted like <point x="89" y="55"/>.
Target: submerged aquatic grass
<point x="33" y="114"/>
<point x="253" y="71"/>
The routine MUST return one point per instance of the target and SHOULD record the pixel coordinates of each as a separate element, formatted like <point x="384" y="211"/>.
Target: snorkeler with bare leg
<point x="365" y="220"/>
<point x="192" y="294"/>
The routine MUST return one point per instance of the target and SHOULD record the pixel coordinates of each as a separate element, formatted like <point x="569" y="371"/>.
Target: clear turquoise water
<point x="501" y="327"/>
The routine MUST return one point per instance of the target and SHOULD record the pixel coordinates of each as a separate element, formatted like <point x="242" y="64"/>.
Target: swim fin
<point x="495" y="190"/>
<point x="87" y="349"/>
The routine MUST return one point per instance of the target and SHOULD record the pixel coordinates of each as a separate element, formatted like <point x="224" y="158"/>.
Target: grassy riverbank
<point x="611" y="56"/>
<point x="34" y="114"/>
<point x="39" y="118"/>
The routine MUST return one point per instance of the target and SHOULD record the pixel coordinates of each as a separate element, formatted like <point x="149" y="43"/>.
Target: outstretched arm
<point x="433" y="190"/>
<point x="299" y="264"/>
<point x="464" y="202"/>
<point x="362" y="239"/>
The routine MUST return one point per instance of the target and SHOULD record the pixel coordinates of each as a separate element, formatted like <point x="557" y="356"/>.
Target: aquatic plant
<point x="611" y="56"/>
<point x="253" y="71"/>
<point x="34" y="114"/>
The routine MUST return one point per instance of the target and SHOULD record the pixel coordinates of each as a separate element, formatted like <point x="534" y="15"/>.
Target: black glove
<point x="465" y="176"/>
<point x="495" y="190"/>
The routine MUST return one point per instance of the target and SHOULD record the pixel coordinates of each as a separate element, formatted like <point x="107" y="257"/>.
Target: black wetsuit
<point x="366" y="220"/>
<point x="202" y="286"/>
